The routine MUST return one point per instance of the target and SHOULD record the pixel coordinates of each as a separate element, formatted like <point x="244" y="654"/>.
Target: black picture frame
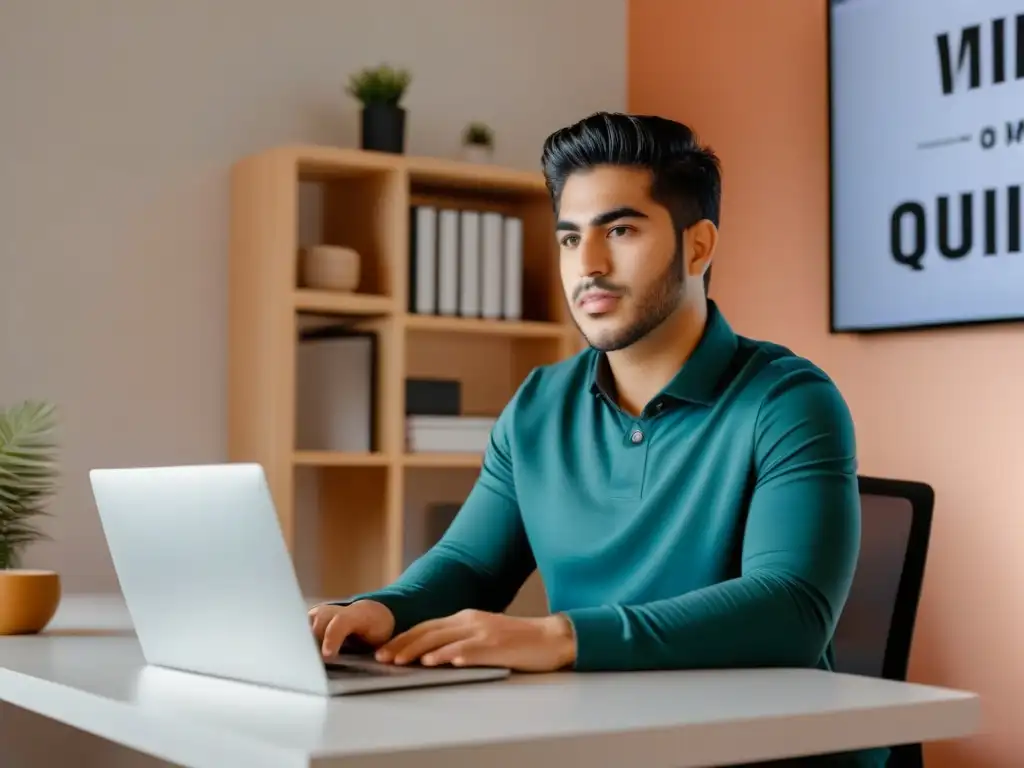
<point x="833" y="328"/>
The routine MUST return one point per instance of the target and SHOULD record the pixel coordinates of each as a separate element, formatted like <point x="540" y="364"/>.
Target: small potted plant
<point x="380" y="91"/>
<point x="28" y="472"/>
<point x="477" y="142"/>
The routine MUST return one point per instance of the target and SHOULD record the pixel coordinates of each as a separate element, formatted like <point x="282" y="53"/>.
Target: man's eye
<point x="570" y="240"/>
<point x="620" y="230"/>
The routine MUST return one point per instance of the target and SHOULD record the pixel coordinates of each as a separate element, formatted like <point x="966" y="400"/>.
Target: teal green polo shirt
<point x="719" y="528"/>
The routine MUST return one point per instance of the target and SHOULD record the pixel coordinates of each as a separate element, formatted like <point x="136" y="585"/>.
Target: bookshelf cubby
<point x="364" y="202"/>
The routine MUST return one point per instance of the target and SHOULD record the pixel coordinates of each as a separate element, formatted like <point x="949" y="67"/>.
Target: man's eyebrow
<point x="602" y="219"/>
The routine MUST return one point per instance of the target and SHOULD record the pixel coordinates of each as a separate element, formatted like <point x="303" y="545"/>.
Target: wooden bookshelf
<point x="366" y="198"/>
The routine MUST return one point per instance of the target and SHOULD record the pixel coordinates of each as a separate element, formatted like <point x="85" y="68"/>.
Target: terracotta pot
<point x="28" y="600"/>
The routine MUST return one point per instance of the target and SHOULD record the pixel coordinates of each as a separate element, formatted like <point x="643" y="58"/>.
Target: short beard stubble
<point x="653" y="309"/>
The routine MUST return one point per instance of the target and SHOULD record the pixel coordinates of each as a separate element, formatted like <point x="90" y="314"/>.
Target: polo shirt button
<point x="637" y="437"/>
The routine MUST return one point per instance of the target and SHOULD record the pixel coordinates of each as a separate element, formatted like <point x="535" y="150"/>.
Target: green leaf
<point x="28" y="475"/>
<point x="478" y="133"/>
<point x="379" y="85"/>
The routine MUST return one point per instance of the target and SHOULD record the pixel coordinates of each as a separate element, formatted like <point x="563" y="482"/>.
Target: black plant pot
<point x="384" y="128"/>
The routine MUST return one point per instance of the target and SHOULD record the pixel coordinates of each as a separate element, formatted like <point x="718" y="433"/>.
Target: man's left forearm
<point x="757" y="620"/>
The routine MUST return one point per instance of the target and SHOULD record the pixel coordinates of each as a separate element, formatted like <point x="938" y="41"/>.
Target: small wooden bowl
<point x="329" y="268"/>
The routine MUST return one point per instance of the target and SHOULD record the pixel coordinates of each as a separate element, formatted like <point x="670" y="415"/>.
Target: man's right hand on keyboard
<point x="366" y="620"/>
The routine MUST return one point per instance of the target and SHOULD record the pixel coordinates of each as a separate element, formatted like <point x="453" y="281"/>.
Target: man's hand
<point x="478" y="638"/>
<point x="367" y="620"/>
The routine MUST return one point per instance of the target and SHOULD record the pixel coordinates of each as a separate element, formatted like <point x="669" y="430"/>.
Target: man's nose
<point x="594" y="258"/>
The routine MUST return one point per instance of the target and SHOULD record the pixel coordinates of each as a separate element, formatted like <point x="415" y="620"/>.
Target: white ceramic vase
<point x="476" y="153"/>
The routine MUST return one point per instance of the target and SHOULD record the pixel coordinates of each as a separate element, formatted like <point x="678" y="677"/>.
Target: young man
<point x="688" y="495"/>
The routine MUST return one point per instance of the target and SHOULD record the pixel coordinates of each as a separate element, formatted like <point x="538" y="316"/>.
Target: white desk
<point x="87" y="671"/>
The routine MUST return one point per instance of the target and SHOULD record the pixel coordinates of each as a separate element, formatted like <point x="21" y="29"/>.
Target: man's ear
<point x="701" y="239"/>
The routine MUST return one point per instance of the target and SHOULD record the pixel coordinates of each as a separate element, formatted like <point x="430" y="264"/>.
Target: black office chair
<point x="875" y="631"/>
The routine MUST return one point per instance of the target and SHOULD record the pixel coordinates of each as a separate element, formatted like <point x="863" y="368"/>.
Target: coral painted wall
<point x="946" y="407"/>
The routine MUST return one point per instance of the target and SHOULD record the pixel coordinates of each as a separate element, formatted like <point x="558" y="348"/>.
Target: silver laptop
<point x="211" y="588"/>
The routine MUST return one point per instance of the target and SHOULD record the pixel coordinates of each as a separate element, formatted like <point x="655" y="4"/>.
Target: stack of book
<point x="448" y="434"/>
<point x="434" y="422"/>
<point x="466" y="263"/>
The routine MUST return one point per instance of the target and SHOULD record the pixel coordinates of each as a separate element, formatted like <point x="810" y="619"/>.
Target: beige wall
<point x="944" y="407"/>
<point x="118" y="127"/>
<point x="120" y="120"/>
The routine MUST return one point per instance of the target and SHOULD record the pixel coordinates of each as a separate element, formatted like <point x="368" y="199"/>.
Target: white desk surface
<point x="86" y="670"/>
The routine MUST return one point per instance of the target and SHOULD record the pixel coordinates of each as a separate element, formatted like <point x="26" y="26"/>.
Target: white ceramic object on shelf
<point x="477" y="153"/>
<point x="329" y="268"/>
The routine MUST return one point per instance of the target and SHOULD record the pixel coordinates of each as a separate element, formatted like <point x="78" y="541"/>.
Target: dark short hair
<point x="686" y="176"/>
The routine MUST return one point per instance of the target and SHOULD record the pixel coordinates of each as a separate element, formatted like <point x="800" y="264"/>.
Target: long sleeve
<point x="800" y="546"/>
<point x="482" y="560"/>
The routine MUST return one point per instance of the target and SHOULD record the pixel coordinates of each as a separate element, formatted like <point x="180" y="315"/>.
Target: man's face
<point x="622" y="270"/>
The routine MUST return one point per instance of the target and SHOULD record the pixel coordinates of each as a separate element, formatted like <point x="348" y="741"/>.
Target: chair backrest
<point x="876" y="628"/>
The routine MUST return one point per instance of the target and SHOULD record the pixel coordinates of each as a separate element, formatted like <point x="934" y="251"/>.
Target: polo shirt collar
<point x="699" y="378"/>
